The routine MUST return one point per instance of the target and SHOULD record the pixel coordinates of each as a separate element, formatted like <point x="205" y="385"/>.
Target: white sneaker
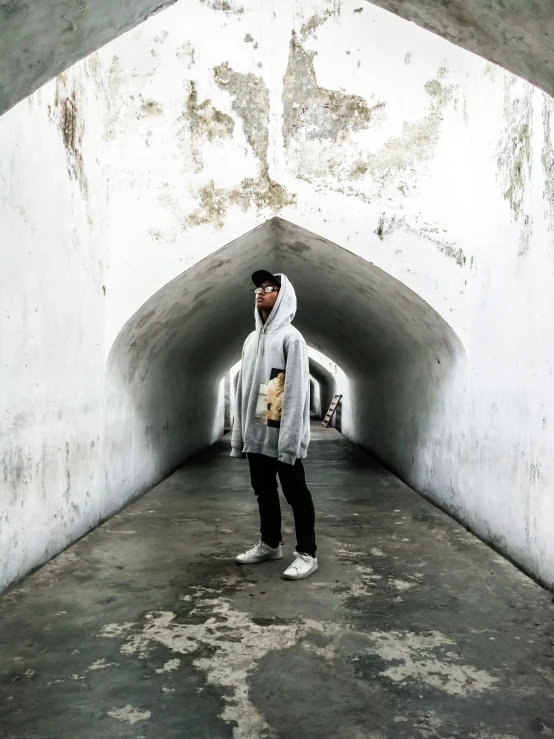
<point x="302" y="566"/>
<point x="260" y="552"/>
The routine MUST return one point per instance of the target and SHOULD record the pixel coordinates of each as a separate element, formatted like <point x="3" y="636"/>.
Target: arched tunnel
<point x="405" y="187"/>
<point x="166" y="367"/>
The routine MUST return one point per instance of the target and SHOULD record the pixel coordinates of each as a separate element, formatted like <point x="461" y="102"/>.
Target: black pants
<point x="263" y="475"/>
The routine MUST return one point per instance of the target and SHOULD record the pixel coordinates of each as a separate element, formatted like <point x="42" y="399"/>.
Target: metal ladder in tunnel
<point x="332" y="408"/>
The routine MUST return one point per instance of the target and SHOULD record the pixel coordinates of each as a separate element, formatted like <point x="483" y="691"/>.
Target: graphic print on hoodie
<point x="272" y="405"/>
<point x="269" y="406"/>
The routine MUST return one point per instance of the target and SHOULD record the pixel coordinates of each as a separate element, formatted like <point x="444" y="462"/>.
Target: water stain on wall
<point x="320" y="127"/>
<point x="15" y="471"/>
<point x="71" y="124"/>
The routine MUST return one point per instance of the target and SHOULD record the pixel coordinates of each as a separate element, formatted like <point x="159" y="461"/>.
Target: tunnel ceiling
<point x="38" y="40"/>
<point x="516" y="34"/>
<point x="41" y="38"/>
<point x="349" y="309"/>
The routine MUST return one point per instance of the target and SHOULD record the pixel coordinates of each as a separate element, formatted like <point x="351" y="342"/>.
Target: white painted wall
<point x="52" y="319"/>
<point x="410" y="153"/>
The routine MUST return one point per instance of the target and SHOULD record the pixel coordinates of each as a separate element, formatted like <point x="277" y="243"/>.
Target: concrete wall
<point x="414" y="183"/>
<point x="52" y="318"/>
<point x="329" y="379"/>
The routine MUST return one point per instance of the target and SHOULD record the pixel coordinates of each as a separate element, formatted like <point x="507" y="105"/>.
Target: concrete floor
<point x="147" y="629"/>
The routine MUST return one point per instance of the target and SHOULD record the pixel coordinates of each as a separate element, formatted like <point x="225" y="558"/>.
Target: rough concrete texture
<point x="516" y="34"/>
<point x="411" y="628"/>
<point x="40" y="40"/>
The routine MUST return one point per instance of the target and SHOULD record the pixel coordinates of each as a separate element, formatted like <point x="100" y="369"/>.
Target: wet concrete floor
<point x="146" y="628"/>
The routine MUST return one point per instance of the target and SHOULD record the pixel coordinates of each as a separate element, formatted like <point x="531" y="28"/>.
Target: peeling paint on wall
<point x="203" y="122"/>
<point x="314" y="112"/>
<point x="210" y="122"/>
<point x="416" y="145"/>
<point x="320" y="124"/>
<point x="250" y="102"/>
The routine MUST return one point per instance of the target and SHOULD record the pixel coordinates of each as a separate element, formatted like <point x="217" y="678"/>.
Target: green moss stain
<point x="151" y="107"/>
<point x="453" y="252"/>
<point x="525" y="236"/>
<point x="70" y="121"/>
<point x="434" y="88"/>
<point x="547" y="153"/>
<point x="416" y="145"/>
<point x="358" y="170"/>
<point x="205" y="120"/>
<point x="513" y="157"/>
<point x="312" y="24"/>
<point x="518" y="159"/>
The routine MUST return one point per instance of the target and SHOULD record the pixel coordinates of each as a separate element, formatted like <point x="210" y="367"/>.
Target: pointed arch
<point x="164" y="371"/>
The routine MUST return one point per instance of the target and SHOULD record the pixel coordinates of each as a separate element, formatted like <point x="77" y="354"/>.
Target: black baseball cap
<point x="262" y="275"/>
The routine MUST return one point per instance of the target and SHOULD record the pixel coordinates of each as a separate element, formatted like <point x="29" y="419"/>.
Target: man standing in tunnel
<point x="272" y="423"/>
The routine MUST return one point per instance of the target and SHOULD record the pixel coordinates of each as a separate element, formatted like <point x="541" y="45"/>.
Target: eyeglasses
<point x="266" y="289"/>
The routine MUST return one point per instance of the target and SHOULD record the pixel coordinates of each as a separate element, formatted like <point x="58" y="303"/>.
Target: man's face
<point x="266" y="301"/>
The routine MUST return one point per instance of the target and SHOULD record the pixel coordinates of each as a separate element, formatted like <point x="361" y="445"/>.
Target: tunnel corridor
<point x="147" y="628"/>
<point x="165" y="368"/>
<point x="412" y="210"/>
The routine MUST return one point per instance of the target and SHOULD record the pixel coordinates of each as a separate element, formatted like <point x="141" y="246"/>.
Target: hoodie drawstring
<point x="261" y="341"/>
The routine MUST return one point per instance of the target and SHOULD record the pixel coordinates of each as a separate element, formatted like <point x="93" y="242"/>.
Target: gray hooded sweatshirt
<point x="272" y="409"/>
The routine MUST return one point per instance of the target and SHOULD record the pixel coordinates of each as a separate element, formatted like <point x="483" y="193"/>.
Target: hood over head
<point x="284" y="309"/>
